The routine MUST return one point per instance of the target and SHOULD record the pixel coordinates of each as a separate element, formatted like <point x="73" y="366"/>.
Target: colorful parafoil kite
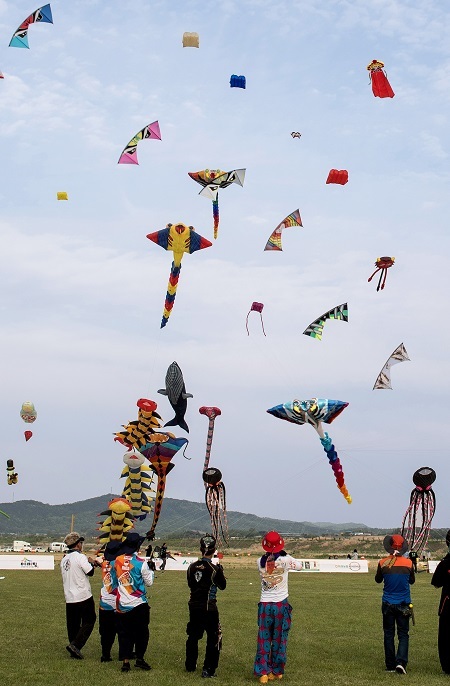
<point x="119" y="520"/>
<point x="296" y="134"/>
<point x="11" y="473"/>
<point x="190" y="40"/>
<point x="176" y="392"/>
<point x="339" y="176"/>
<point x="315" y="329"/>
<point x="159" y="451"/>
<point x="129" y="153"/>
<point x="28" y="412"/>
<point x="274" y="242"/>
<point x="138" y="489"/>
<point x="28" y="435"/>
<point x="381" y="88"/>
<point x="180" y="239"/>
<point x="138" y="433"/>
<point x="256" y="307"/>
<point x="419" y="515"/>
<point x="314" y="412"/>
<point x="212" y="180"/>
<point x="382" y="264"/>
<point x="383" y="380"/>
<point x="20" y="36"/>
<point x="237" y="81"/>
<point x="215" y="494"/>
<point x="62" y="195"/>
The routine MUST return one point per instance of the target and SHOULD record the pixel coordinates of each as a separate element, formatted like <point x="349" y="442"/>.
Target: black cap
<point x="208" y="544"/>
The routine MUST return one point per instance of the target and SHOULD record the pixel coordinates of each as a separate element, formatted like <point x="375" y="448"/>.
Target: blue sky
<point x="82" y="289"/>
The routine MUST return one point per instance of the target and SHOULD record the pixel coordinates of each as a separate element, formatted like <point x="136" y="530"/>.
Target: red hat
<point x="395" y="543"/>
<point x="273" y="542"/>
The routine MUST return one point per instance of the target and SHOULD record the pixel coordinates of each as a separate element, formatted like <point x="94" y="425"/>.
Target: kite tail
<point x="335" y="466"/>
<point x="171" y="293"/>
<point x="216" y="216"/>
<point x="371" y="277"/>
<point x="158" y="504"/>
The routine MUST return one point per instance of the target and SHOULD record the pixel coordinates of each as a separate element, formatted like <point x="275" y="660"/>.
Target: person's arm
<point x="379" y="574"/>
<point x="147" y="574"/>
<point x="290" y="562"/>
<point x="440" y="573"/>
<point x="219" y="579"/>
<point x="412" y="577"/>
<point x="87" y="564"/>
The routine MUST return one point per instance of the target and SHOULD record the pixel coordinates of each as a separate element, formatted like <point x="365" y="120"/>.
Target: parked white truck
<point x="58" y="547"/>
<point x="21" y="547"/>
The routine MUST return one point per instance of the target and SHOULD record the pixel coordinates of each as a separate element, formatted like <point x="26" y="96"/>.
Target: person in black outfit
<point x="441" y="579"/>
<point x="413" y="557"/>
<point x="204" y="578"/>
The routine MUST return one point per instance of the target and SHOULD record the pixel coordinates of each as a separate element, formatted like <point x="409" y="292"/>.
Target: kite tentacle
<point x="215" y="499"/>
<point x="335" y="465"/>
<point x="171" y="292"/>
<point x="216" y="215"/>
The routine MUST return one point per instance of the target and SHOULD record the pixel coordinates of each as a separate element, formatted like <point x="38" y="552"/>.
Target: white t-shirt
<point x="74" y="567"/>
<point x="274" y="582"/>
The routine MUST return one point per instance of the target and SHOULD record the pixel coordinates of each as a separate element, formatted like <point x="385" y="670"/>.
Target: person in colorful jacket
<point x="274" y="610"/>
<point x="130" y="575"/>
<point x="204" y="578"/>
<point x="397" y="574"/>
<point x="441" y="579"/>
<point x="107" y="625"/>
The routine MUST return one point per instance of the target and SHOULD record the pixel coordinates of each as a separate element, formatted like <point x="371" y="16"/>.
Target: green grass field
<point x="336" y="635"/>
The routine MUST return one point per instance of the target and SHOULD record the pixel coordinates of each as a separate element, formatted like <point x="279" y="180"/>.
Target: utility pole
<point x="72" y="524"/>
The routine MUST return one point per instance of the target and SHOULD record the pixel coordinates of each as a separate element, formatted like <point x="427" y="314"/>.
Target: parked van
<point x="58" y="547"/>
<point x="21" y="547"/>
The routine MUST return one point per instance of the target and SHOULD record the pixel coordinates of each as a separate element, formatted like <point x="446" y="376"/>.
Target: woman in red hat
<point x="274" y="610"/>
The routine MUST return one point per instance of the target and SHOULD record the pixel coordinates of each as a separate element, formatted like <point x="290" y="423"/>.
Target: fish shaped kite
<point x="176" y="392"/>
<point x="129" y="153"/>
<point x="180" y="239"/>
<point x="138" y="484"/>
<point x="315" y="329"/>
<point x="212" y="180"/>
<point x="11" y="474"/>
<point x="159" y="451"/>
<point x="20" y="36"/>
<point x="381" y="88"/>
<point x="274" y="242"/>
<point x="384" y="377"/>
<point x="314" y="412"/>
<point x="138" y="433"/>
<point x="119" y="520"/>
<point x="382" y="264"/>
<point x="339" y="176"/>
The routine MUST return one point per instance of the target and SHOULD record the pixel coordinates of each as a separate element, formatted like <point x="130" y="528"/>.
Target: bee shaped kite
<point x="20" y="36"/>
<point x="274" y="242"/>
<point x="382" y="264"/>
<point x="180" y="239"/>
<point x="212" y="180"/>
<point x="129" y="153"/>
<point x="422" y="505"/>
<point x="138" y="433"/>
<point x="11" y="473"/>
<point x="138" y="484"/>
<point x="119" y="520"/>
<point x="381" y="88"/>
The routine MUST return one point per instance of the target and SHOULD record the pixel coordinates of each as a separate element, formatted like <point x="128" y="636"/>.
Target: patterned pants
<point x="274" y="622"/>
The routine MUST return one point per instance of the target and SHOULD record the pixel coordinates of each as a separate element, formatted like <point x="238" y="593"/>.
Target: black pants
<point x="80" y="619"/>
<point x="199" y="622"/>
<point x="133" y="632"/>
<point x="444" y="640"/>
<point x="394" y="616"/>
<point x="107" y="627"/>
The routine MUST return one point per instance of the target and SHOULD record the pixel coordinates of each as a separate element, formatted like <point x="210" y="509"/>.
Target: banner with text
<point x="34" y="562"/>
<point x="348" y="566"/>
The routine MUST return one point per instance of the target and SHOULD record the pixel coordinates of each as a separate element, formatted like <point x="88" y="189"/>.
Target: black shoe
<point x="142" y="664"/>
<point x="207" y="675"/>
<point x="74" y="652"/>
<point x="191" y="669"/>
<point x="400" y="669"/>
<point x="126" y="667"/>
<point x="106" y="658"/>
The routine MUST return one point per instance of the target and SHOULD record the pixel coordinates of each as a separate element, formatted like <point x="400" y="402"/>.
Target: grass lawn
<point x="336" y="635"/>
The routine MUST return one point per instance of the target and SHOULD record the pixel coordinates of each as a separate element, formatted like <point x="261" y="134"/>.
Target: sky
<point x="82" y="289"/>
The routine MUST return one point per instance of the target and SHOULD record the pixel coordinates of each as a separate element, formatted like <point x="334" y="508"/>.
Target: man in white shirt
<point x="80" y="607"/>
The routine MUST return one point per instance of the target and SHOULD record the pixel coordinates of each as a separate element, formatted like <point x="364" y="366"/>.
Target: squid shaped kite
<point x="382" y="264"/>
<point x="159" y="451"/>
<point x="180" y="239"/>
<point x="422" y="505"/>
<point x="383" y="380"/>
<point x="138" y="484"/>
<point x="20" y="36"/>
<point x="315" y="329"/>
<point x="274" y="242"/>
<point x="314" y="412"/>
<point x="212" y="180"/>
<point x="137" y="433"/>
<point x="381" y="88"/>
<point x="129" y="153"/>
<point x="215" y="494"/>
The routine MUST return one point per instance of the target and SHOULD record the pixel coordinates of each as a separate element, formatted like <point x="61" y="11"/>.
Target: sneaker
<point x="106" y="658"/>
<point x="207" y="675"/>
<point x="400" y="669"/>
<point x="126" y="667"/>
<point x="142" y="664"/>
<point x="74" y="652"/>
<point x="264" y="679"/>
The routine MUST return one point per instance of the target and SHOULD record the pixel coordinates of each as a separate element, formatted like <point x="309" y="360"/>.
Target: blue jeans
<point x="393" y="615"/>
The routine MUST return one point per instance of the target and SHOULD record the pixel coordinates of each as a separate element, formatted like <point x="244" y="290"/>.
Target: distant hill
<point x="178" y="517"/>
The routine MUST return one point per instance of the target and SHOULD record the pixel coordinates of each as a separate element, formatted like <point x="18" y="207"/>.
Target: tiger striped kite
<point x="274" y="242"/>
<point x="315" y="329"/>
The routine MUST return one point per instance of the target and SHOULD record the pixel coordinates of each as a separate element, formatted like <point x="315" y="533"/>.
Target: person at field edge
<point x="80" y="607"/>
<point x="441" y="579"/>
<point x="107" y="625"/>
<point x="130" y="575"/>
<point x="397" y="574"/>
<point x="204" y="578"/>
<point x="413" y="555"/>
<point x="274" y="610"/>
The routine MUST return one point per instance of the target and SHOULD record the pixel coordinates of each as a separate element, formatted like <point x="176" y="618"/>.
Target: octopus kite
<point x="180" y="239"/>
<point x="382" y="264"/>
<point x="215" y="494"/>
<point x="419" y="515"/>
<point x="212" y="180"/>
<point x="315" y="412"/>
